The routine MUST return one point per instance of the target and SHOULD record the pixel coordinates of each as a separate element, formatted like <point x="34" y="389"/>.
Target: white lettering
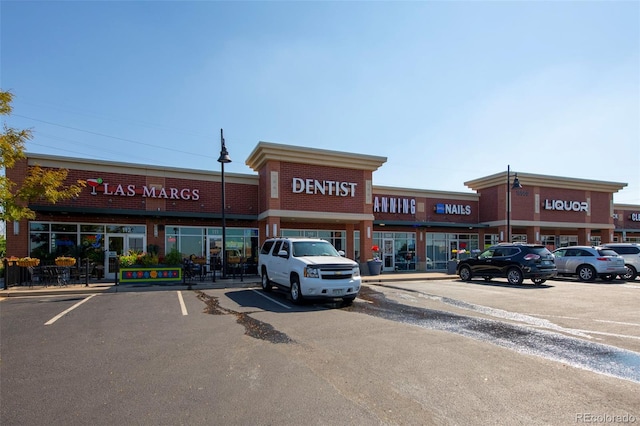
<point x="119" y="191"/>
<point x="149" y="192"/>
<point x="298" y="185"/>
<point x="635" y="217"/>
<point x="561" y="205"/>
<point x="394" y="205"/>
<point x="323" y="187"/>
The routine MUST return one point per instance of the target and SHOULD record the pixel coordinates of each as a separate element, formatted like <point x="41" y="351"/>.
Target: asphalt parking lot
<point x="437" y="351"/>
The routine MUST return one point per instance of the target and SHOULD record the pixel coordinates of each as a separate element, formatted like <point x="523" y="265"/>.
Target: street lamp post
<point x="516" y="185"/>
<point x="224" y="158"/>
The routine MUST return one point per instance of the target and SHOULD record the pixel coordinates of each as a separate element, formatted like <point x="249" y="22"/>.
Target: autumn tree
<point x="39" y="184"/>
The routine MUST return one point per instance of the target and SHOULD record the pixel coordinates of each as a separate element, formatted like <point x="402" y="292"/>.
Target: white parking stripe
<point x="618" y="322"/>
<point x="182" y="305"/>
<point x="272" y="299"/>
<point x="60" y="315"/>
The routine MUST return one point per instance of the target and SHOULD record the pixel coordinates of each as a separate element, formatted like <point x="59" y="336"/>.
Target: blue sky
<point x="448" y="91"/>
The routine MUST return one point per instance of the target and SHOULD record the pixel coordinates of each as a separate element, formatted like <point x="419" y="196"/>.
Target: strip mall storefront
<point x="309" y="192"/>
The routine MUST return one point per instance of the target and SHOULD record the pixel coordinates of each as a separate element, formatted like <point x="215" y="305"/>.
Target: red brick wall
<point x="316" y="202"/>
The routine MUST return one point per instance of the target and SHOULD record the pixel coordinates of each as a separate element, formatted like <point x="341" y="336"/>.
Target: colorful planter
<point x="150" y="274"/>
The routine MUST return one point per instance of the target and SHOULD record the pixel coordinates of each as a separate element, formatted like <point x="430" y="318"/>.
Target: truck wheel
<point x="266" y="282"/>
<point x="296" y="296"/>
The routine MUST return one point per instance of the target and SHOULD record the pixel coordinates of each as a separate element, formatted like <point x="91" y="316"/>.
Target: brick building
<point x="309" y="192"/>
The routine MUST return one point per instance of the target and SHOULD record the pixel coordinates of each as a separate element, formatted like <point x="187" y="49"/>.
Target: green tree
<point x="39" y="184"/>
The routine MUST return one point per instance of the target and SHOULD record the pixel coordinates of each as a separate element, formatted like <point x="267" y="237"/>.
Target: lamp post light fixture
<point x="516" y="185"/>
<point x="224" y="158"/>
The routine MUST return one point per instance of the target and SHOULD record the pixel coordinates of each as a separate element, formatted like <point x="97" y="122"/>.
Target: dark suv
<point x="515" y="262"/>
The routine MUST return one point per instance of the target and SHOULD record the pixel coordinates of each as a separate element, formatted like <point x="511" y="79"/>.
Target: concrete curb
<point x="109" y="287"/>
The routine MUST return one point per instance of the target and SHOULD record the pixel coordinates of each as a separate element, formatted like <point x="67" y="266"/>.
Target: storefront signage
<point x="99" y="186"/>
<point x="394" y="205"/>
<point x="452" y="209"/>
<point x="576" y="206"/>
<point x="635" y="217"/>
<point x="324" y="187"/>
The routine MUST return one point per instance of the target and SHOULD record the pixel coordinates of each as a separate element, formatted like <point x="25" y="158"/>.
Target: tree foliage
<point x="40" y="183"/>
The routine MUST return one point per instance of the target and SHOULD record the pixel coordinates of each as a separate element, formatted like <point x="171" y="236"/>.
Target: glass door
<point x="388" y="263"/>
<point x="114" y="246"/>
<point x="117" y="245"/>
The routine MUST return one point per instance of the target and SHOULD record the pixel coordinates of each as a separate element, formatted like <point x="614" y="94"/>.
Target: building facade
<point x="308" y="192"/>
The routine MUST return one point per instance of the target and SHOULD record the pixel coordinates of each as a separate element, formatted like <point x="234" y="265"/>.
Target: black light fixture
<point x="224" y="158"/>
<point x="516" y="185"/>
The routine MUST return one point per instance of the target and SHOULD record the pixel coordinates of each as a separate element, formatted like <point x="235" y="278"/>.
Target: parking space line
<point x="182" y="305"/>
<point x="618" y="322"/>
<point x="63" y="313"/>
<point x="272" y="299"/>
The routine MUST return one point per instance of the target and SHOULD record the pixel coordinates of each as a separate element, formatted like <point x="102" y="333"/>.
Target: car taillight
<point x="605" y="259"/>
<point x="532" y="256"/>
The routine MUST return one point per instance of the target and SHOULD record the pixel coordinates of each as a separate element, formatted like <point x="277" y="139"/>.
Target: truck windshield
<point x="314" y="248"/>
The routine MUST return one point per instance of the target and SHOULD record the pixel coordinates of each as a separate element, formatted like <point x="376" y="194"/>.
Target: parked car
<point x="588" y="263"/>
<point x="631" y="254"/>
<point x="515" y="262"/>
<point x="308" y="268"/>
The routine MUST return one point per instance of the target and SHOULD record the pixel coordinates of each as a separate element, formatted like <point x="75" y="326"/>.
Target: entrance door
<point x="119" y="244"/>
<point x="388" y="258"/>
<point x="114" y="246"/>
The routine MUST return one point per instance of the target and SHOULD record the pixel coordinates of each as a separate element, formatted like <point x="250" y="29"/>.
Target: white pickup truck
<point x="308" y="268"/>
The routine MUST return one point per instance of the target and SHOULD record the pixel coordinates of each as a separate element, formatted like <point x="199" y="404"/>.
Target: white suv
<point x="589" y="262"/>
<point x="308" y="268"/>
<point x="631" y="254"/>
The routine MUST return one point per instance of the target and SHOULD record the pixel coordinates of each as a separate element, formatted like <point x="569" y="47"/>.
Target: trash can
<point x="375" y="267"/>
<point x="452" y="265"/>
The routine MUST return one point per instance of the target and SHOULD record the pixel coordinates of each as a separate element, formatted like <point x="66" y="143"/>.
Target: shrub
<point x="129" y="259"/>
<point x="174" y="257"/>
<point x="148" y="259"/>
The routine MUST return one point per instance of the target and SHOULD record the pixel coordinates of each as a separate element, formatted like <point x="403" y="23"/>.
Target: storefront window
<point x="92" y="228"/>
<point x="443" y="247"/>
<point x="567" y="240"/>
<point x="241" y="243"/>
<point x="490" y="240"/>
<point x="549" y="241"/>
<point x="39" y="245"/>
<point x="50" y="240"/>
<point x="190" y="241"/>
<point x="398" y="250"/>
<point x="64" y="244"/>
<point x="37" y="226"/>
<point x="128" y="229"/>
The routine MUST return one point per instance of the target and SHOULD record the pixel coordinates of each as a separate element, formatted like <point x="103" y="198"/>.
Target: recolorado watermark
<point x="605" y="418"/>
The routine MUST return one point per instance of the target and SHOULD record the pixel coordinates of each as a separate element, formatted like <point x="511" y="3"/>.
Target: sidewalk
<point x="196" y="284"/>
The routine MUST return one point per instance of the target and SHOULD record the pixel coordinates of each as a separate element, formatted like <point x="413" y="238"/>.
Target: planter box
<point x="150" y="274"/>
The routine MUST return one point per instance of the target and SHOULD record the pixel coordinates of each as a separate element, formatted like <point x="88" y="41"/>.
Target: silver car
<point x="631" y="254"/>
<point x="588" y="263"/>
